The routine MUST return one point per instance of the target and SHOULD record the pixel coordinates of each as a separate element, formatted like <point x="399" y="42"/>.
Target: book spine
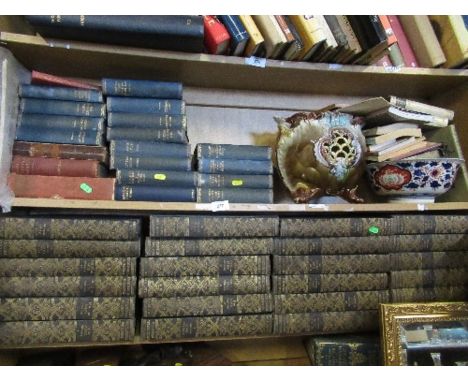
<point x="51" y="80"/>
<point x="217" y="37"/>
<point x="209" y="247"/>
<point x="206" y="226"/>
<point x="235" y="166"/>
<point x="68" y="267"/>
<point x="66" y="308"/>
<point x="68" y="286"/>
<point x="315" y="283"/>
<point x="235" y="195"/>
<point x="62" y="122"/>
<point x="234" y="181"/>
<point x="429" y="278"/>
<point x="298" y="264"/>
<point x="396" y="56"/>
<point x="202" y="286"/>
<point x="449" y="293"/>
<point x="68" y="248"/>
<point x="238" y="33"/>
<point x="311" y="32"/>
<point x="256" y="42"/>
<point x="144" y="134"/>
<point x="62" y="187"/>
<point x="64" y="151"/>
<point x="336" y="30"/>
<point x="408" y="104"/>
<point x="405" y="47"/>
<point x="157" y="178"/>
<point x="326" y="322"/>
<point x="431" y="243"/>
<point x="141" y="88"/>
<point x="344" y="351"/>
<point x="71" y="229"/>
<point x="428" y="260"/>
<point x="155" y="194"/>
<point x="66" y="331"/>
<point x="209" y="326"/>
<point x="60" y="93"/>
<point x="56" y="167"/>
<point x="297" y="46"/>
<point x="147" y="121"/>
<point x="153" y="163"/>
<point x="204" y="266"/>
<point x="228" y="305"/>
<point x="58" y="107"/>
<point x="145" y="105"/>
<point x="222" y="151"/>
<point x="330" y="302"/>
<point x="64" y="136"/>
<point x="142" y="149"/>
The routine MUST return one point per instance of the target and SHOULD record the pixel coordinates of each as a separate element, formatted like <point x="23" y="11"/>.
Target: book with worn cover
<point x="144" y="134"/>
<point x="40" y="78"/>
<point x="315" y="283"/>
<point x="209" y="247"/>
<point x="157" y="178"/>
<point x="75" y="136"/>
<point x="147" y="149"/>
<point x="154" y="163"/>
<point x="226" y="151"/>
<point x="312" y="34"/>
<point x="216" y="38"/>
<point x="47" y="122"/>
<point x="428" y="260"/>
<point x="202" y="285"/>
<point x="453" y="37"/>
<point x="275" y="40"/>
<point x="66" y="308"/>
<point x="154" y="193"/>
<point x="206" y="226"/>
<point x="59" y="93"/>
<point x="256" y="44"/>
<point x="403" y="44"/>
<point x="429" y="278"/>
<point x="204" y="266"/>
<point x="140" y="105"/>
<point x="235" y="195"/>
<point x="234" y="181"/>
<point x="120" y="87"/>
<point x="238" y="33"/>
<point x="208" y="326"/>
<point x="227" y="305"/>
<point x="399" y="133"/>
<point x="147" y="121"/>
<point x="234" y="166"/>
<point x="439" y="293"/>
<point x="25" y="165"/>
<point x="66" y="331"/>
<point x="60" y="107"/>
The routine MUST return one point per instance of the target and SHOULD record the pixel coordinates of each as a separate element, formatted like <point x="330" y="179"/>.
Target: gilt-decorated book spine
<point x="155" y="163"/>
<point x="68" y="286"/>
<point x="60" y="93"/>
<point x="298" y="265"/>
<point x="145" y="134"/>
<point x="428" y="260"/>
<point x="72" y="136"/>
<point x="57" y="167"/>
<point x="104" y="266"/>
<point x="330" y="302"/>
<point x="429" y="278"/>
<point x="155" y="194"/>
<point x="141" y="88"/>
<point x="157" y="178"/>
<point x="224" y="151"/>
<point x="203" y="266"/>
<point x="209" y="247"/>
<point x="208" y="326"/>
<point x="147" y="121"/>
<point x="71" y="229"/>
<point x="235" y="166"/>
<point x="206" y="226"/>
<point x="66" y="308"/>
<point x="145" y="105"/>
<point x="58" y="107"/>
<point x="60" y="122"/>
<point x="314" y="283"/>
<point x="443" y="293"/>
<point x="234" y="181"/>
<point x="202" y="286"/>
<point x="326" y="322"/>
<point x="66" y="331"/>
<point x="235" y="195"/>
<point x="227" y="305"/>
<point x="69" y="248"/>
<point x="148" y="149"/>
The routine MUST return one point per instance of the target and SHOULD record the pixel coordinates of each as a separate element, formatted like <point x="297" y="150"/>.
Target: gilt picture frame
<point x="424" y="333"/>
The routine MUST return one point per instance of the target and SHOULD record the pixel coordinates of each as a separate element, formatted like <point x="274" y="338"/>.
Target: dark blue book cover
<point x="44" y="121"/>
<point x="70" y="136"/>
<point x="60" y="93"/>
<point x="238" y="33"/>
<point x="234" y="181"/>
<point x="141" y="88"/>
<point x="145" y="105"/>
<point x="158" y="178"/>
<point x="59" y="107"/>
<point x="149" y="121"/>
<point x="235" y="195"/>
<point x="145" y="134"/>
<point x="149" y="149"/>
<point x="155" y="194"/>
<point x="151" y="163"/>
<point x="225" y="151"/>
<point x="235" y="166"/>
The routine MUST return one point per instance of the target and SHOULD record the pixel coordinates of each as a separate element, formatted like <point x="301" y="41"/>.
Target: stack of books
<point x="236" y="173"/>
<point x="60" y="150"/>
<point x="148" y="140"/>
<point x="67" y="280"/>
<point x="207" y="276"/>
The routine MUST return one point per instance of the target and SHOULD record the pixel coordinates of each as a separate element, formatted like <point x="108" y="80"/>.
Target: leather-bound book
<point x="57" y="167"/>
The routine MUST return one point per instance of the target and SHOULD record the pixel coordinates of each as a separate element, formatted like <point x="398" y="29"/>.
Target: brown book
<point x="57" y="150"/>
<point x="429" y="278"/>
<point x="428" y="260"/>
<point x="330" y="302"/>
<point x="50" y="79"/>
<point x="447" y="293"/>
<point x="61" y="187"/>
<point x="57" y="167"/>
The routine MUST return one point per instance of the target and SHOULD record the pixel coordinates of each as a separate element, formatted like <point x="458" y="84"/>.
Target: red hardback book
<point x="56" y="167"/>
<point x="61" y="187"/>
<point x="216" y="35"/>
<point x="391" y="37"/>
<point x="40" y="78"/>
<point x="403" y="43"/>
<point x="384" y="61"/>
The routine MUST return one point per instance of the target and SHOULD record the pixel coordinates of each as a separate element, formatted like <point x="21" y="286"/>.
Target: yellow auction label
<point x="160" y="176"/>
<point x="237" y="182"/>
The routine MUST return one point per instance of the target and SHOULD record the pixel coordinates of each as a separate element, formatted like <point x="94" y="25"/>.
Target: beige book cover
<point x="311" y="32"/>
<point x="256" y="40"/>
<point x="272" y="33"/>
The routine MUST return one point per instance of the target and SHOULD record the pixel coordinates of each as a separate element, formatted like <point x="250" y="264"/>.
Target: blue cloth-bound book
<point x="145" y="105"/>
<point x="155" y="194"/>
<point x="225" y="151"/>
<point x="159" y="178"/>
<point x="235" y="195"/>
<point x="60" y="93"/>
<point x="238" y="33"/>
<point x="59" y="107"/>
<point x="141" y="88"/>
<point x="149" y="149"/>
<point x="234" y="166"/>
<point x="151" y="121"/>
<point x="65" y="136"/>
<point x="47" y="121"/>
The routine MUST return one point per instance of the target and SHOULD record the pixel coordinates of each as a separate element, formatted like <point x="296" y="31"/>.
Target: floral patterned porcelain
<point x="413" y="177"/>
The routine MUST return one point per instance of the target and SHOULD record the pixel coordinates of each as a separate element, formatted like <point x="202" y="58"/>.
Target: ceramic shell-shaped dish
<point x="320" y="154"/>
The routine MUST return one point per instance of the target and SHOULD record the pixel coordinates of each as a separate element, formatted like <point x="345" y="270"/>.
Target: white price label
<point x="259" y="62"/>
<point x="221" y="205"/>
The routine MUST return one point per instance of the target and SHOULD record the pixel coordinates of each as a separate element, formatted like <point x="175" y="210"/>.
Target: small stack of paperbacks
<point x="394" y="127"/>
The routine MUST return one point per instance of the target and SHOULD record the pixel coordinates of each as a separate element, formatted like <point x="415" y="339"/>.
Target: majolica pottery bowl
<point x="413" y="177"/>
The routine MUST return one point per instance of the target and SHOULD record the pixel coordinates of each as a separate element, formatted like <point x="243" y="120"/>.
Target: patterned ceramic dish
<point x="413" y="177"/>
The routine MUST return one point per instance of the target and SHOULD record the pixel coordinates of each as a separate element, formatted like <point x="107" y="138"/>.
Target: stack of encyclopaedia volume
<point x="236" y="173"/>
<point x="60" y="150"/>
<point x="148" y="140"/>
<point x="67" y="280"/>
<point x="207" y="276"/>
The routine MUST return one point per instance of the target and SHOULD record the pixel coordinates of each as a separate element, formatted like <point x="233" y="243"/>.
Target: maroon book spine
<point x="56" y="167"/>
<point x="405" y="47"/>
<point x="49" y="79"/>
<point x="61" y="187"/>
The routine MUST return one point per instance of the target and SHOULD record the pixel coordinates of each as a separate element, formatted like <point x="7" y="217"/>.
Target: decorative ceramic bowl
<point x="413" y="177"/>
